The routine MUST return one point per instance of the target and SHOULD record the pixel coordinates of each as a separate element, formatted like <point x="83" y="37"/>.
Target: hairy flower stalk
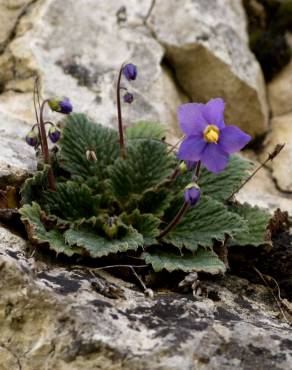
<point x="120" y="120"/>
<point x="186" y="205"/>
<point x="45" y="147"/>
<point x="130" y="72"/>
<point x="63" y="106"/>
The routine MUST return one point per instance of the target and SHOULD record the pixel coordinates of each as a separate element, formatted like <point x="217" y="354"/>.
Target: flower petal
<point x="191" y="119"/>
<point x="213" y="112"/>
<point x="192" y="148"/>
<point x="232" y="139"/>
<point x="215" y="158"/>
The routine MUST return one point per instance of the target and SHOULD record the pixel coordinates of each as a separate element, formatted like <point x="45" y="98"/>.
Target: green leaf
<point x="221" y="186"/>
<point x="98" y="246"/>
<point x="34" y="186"/>
<point x="146" y="165"/>
<point x="31" y="216"/>
<point x="71" y="201"/>
<point x="202" y="261"/>
<point x="79" y="135"/>
<point x="145" y="224"/>
<point x="209" y="220"/>
<point x="145" y="130"/>
<point x="257" y="221"/>
<point x="155" y="201"/>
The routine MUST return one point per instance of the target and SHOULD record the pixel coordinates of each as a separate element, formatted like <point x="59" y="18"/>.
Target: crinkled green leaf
<point x="257" y="221"/>
<point x="146" y="224"/>
<point x="155" y="201"/>
<point x="34" y="186"/>
<point x="98" y="246"/>
<point x="209" y="220"/>
<point x="31" y="217"/>
<point x="71" y="201"/>
<point x="221" y="186"/>
<point x="146" y="165"/>
<point x="79" y="135"/>
<point x="202" y="261"/>
<point x="145" y="130"/>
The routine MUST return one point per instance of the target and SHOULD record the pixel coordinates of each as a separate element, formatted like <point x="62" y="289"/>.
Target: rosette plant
<point x="105" y="192"/>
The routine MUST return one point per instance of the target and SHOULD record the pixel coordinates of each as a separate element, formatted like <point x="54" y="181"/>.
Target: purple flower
<point x="128" y="98"/>
<point x="130" y="71"/>
<point x="32" y="138"/>
<point x="54" y="134"/>
<point x="207" y="138"/>
<point x="61" y="105"/>
<point x="192" y="194"/>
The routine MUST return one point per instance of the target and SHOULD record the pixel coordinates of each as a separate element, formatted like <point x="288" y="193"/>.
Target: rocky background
<point x="51" y="317"/>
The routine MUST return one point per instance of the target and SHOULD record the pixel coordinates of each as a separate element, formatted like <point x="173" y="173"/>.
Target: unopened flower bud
<point x="192" y="194"/>
<point x="91" y="156"/>
<point x="110" y="228"/>
<point x="130" y="71"/>
<point x="54" y="134"/>
<point x="61" y="105"/>
<point x="128" y="98"/>
<point x="32" y="138"/>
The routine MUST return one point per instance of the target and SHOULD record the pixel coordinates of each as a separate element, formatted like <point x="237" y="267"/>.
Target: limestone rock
<point x="280" y="92"/>
<point x="51" y="317"/>
<point x="10" y="12"/>
<point x="81" y="58"/>
<point x="207" y="46"/>
<point x="281" y="165"/>
<point x="261" y="191"/>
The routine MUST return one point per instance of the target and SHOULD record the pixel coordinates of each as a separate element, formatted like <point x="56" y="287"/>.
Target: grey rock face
<point x="78" y="54"/>
<point x="51" y="317"/>
<point x="281" y="166"/>
<point x="206" y="43"/>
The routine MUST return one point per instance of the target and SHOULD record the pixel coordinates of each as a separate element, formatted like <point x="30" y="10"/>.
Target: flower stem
<point x="184" y="207"/>
<point x="197" y="172"/>
<point x="120" y="121"/>
<point x="45" y="148"/>
<point x="175" y="221"/>
<point x="271" y="156"/>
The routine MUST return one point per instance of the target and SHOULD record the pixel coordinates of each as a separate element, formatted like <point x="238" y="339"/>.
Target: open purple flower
<point x="207" y="138"/>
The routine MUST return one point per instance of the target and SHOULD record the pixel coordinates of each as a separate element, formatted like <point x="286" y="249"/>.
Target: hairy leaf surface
<point x="257" y="222"/>
<point x="202" y="261"/>
<point x="145" y="130"/>
<point x="209" y="220"/>
<point x="146" y="165"/>
<point x="98" y="246"/>
<point x="80" y="135"/>
<point x="31" y="216"/>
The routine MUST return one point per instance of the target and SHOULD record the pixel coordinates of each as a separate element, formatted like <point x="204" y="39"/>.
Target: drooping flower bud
<point x="192" y="194"/>
<point x="183" y="167"/>
<point x="91" y="156"/>
<point x="130" y="71"/>
<point x="54" y="134"/>
<point x="32" y="138"/>
<point x="61" y="105"/>
<point x="128" y="98"/>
